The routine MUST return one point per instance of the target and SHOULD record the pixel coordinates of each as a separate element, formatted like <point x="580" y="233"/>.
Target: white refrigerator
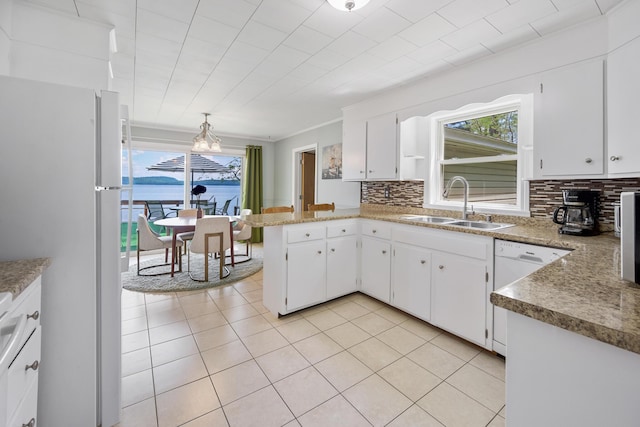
<point x="60" y="169"/>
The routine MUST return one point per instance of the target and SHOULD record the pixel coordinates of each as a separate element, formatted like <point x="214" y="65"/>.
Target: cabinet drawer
<point x="304" y="234"/>
<point x="344" y="229"/>
<point x="376" y="229"/>
<point x="28" y="408"/>
<point x="28" y="304"/>
<point x="20" y="378"/>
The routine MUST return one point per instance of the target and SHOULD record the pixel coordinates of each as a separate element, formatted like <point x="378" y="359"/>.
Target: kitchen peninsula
<point x="574" y="325"/>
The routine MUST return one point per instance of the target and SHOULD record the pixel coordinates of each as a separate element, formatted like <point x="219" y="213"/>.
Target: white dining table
<point x="179" y="225"/>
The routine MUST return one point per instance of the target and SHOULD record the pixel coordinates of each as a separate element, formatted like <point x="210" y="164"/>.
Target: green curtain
<point x="252" y="186"/>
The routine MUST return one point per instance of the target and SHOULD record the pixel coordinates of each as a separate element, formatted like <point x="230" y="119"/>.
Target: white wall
<point x="230" y="145"/>
<point x="343" y="194"/>
<point x="65" y="49"/>
<point x="5" y="35"/>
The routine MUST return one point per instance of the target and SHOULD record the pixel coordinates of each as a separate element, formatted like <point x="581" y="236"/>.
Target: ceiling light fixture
<point x="206" y="140"/>
<point x="347" y="5"/>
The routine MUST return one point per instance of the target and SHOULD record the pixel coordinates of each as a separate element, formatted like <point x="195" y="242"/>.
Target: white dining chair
<point x="242" y="233"/>
<point x="187" y="236"/>
<point x="211" y="236"/>
<point x="149" y="240"/>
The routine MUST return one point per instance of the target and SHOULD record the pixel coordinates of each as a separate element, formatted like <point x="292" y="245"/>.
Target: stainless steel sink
<point x="429" y="219"/>
<point x="480" y="225"/>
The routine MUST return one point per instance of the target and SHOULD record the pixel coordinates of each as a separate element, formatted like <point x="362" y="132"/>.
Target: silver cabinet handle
<point x="384" y="252"/>
<point x="307" y="234"/>
<point x="31" y="423"/>
<point x="33" y="366"/>
<point x="34" y="316"/>
<point x="374" y="231"/>
<point x="614" y="158"/>
<point x="319" y="252"/>
<point x="423" y="261"/>
<point x="588" y="160"/>
<point x="344" y="231"/>
<point x="370" y="171"/>
<point x="333" y="250"/>
<point x="441" y="267"/>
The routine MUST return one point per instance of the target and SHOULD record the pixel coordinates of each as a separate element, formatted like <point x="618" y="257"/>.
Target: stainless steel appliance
<point x="630" y="235"/>
<point x="514" y="261"/>
<point x="579" y="214"/>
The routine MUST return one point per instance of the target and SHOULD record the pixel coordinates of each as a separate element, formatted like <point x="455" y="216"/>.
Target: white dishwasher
<point x="514" y="261"/>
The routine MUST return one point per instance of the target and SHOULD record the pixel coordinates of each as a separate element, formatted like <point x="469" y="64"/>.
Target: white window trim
<point x="521" y="102"/>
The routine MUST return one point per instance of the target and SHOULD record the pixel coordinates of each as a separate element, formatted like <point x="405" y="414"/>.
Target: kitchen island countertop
<point x="581" y="292"/>
<point x="16" y="276"/>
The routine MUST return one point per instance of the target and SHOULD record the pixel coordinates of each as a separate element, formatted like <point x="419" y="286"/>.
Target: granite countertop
<point x="15" y="276"/>
<point x="581" y="292"/>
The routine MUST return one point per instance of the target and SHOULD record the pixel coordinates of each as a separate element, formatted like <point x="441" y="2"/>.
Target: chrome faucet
<point x="465" y="183"/>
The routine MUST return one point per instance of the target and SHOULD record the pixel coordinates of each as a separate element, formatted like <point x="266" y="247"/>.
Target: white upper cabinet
<point x="369" y="149"/>
<point x="382" y="146"/>
<point x="569" y="122"/>
<point x="623" y="109"/>
<point x="354" y="150"/>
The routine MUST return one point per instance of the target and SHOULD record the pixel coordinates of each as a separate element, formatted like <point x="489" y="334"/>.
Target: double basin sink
<point x="482" y="225"/>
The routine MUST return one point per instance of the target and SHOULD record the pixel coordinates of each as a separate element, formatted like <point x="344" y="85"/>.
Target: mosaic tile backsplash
<point x="544" y="196"/>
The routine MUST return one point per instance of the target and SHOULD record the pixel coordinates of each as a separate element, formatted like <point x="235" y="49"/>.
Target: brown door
<point x="308" y="176"/>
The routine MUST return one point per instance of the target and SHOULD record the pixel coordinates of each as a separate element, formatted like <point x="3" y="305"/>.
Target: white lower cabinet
<point x="412" y="280"/>
<point x="459" y="296"/>
<point x="342" y="266"/>
<point x="376" y="268"/>
<point x="306" y="266"/>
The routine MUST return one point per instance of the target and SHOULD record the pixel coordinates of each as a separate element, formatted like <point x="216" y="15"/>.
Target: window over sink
<point x="487" y="144"/>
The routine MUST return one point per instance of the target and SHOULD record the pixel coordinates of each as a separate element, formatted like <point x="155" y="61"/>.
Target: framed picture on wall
<point x="332" y="162"/>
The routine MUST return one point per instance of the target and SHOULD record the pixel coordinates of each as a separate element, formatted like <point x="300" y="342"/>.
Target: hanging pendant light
<point x="206" y="140"/>
<point x="348" y="5"/>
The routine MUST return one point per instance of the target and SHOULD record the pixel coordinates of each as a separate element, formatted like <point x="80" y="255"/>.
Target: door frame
<point x="296" y="157"/>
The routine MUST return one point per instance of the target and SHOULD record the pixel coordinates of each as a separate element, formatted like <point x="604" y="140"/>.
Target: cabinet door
<point x="382" y="147"/>
<point x="569" y="122"/>
<point x="306" y="264"/>
<point x="376" y="268"/>
<point x="623" y="92"/>
<point x="342" y="266"/>
<point x="354" y="150"/>
<point x="459" y="298"/>
<point x="412" y="280"/>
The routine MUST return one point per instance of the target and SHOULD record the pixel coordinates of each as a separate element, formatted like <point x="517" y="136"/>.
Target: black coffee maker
<point x="579" y="214"/>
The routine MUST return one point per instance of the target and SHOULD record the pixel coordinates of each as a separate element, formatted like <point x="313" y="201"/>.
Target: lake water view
<point x="176" y="192"/>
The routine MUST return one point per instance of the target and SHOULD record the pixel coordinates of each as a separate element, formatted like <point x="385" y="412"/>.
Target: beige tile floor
<point x="217" y="357"/>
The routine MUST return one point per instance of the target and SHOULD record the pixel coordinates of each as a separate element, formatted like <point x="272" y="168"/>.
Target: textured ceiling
<point x="271" y="68"/>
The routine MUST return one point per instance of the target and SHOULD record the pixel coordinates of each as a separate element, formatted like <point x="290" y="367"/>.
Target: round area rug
<point x="182" y="281"/>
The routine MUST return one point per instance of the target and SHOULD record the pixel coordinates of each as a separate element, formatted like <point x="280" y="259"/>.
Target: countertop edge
<point x="16" y="276"/>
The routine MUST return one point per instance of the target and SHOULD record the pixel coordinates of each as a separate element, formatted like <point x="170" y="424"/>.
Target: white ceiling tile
<point x="332" y="22"/>
<point x="606" y="5"/>
<point x="468" y="55"/>
<point x="307" y="40"/>
<point x="239" y="69"/>
<point x="351" y="44"/>
<point x="281" y="14"/>
<point x="120" y="7"/>
<point x="327" y="59"/>
<point x="287" y="57"/>
<point x="309" y="4"/>
<point x="511" y="38"/>
<point x="393" y="48"/>
<point x="123" y="67"/>
<point x="306" y="73"/>
<point x="470" y="35"/>
<point x="414" y="10"/>
<point x="381" y="25"/>
<point x="565" y="18"/>
<point x="398" y="67"/>
<point x="151" y="43"/>
<point x="199" y="51"/>
<point x="262" y="36"/>
<point x="464" y="12"/>
<point x="427" y="30"/>
<point x="124" y="24"/>
<point x="161" y="26"/>
<point x="520" y="13"/>
<point x="67" y="6"/>
<point x="151" y="91"/>
<point x="432" y="52"/>
<point x="212" y="32"/>
<point x="233" y="13"/>
<point x="182" y="11"/>
<point x="246" y="53"/>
